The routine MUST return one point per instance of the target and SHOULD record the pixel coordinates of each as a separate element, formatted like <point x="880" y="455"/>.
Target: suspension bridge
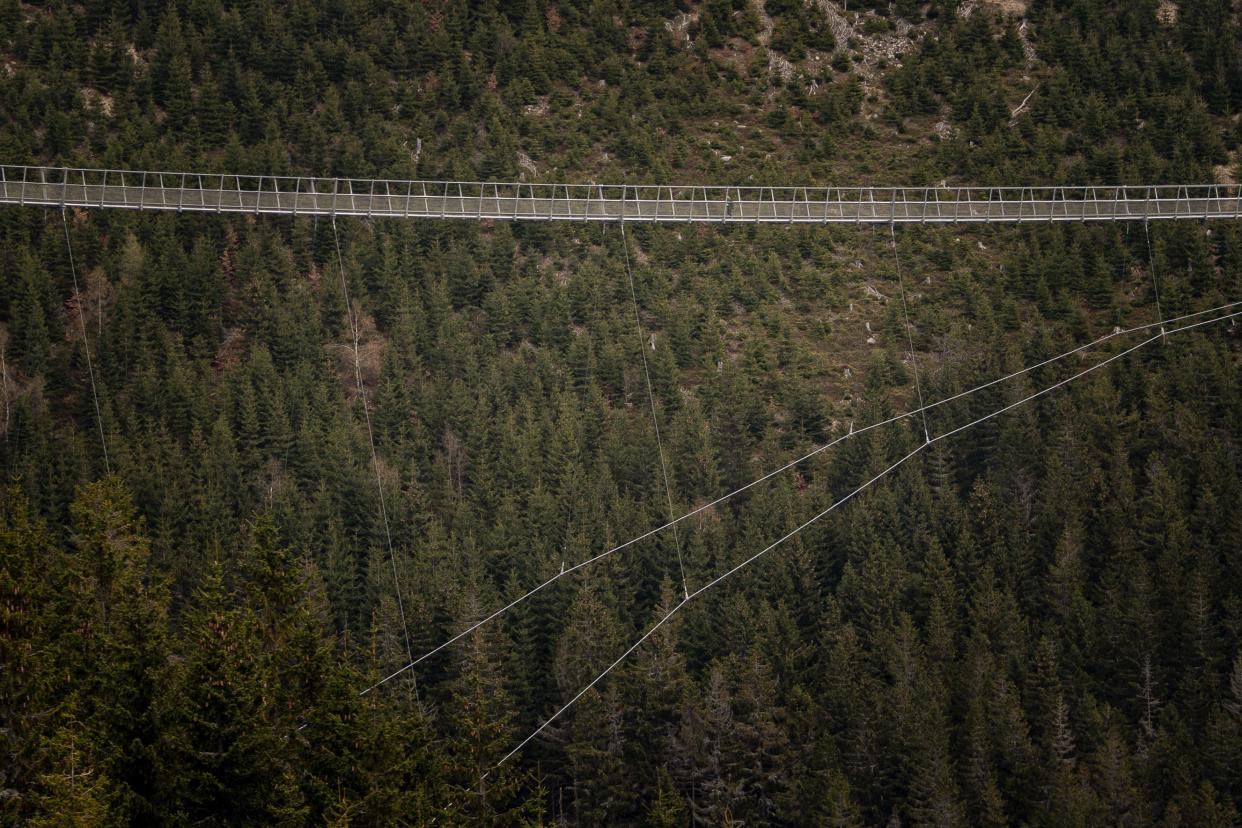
<point x="522" y="201"/>
<point x="226" y="193"/>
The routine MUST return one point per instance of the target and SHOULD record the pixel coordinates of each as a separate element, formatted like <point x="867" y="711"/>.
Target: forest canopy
<point x="226" y="512"/>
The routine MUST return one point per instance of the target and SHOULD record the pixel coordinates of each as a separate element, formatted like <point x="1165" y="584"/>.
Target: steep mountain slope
<point x="1036" y="621"/>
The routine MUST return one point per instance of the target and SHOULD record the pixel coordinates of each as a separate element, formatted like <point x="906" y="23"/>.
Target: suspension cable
<point x="86" y="345"/>
<point x="717" y="580"/>
<point x="905" y="312"/>
<point x="379" y="485"/>
<point x="791" y="464"/>
<point x="655" y="420"/>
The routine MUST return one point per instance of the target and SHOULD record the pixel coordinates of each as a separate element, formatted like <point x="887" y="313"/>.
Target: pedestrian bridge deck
<point x="227" y="193"/>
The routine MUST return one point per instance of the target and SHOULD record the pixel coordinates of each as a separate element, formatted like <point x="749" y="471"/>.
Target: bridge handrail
<point x="154" y="189"/>
<point x="164" y="179"/>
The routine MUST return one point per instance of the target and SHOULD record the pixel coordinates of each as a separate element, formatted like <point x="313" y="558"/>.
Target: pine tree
<point x="481" y="717"/>
<point x="223" y="756"/>
<point x="31" y="571"/>
<point x="668" y="809"/>
<point x="124" y="641"/>
<point x="656" y="685"/>
<point x="72" y="790"/>
<point x="31" y="337"/>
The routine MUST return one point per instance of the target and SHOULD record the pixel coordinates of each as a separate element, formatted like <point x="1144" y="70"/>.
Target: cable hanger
<point x="905" y="312"/>
<point x="655" y="420"/>
<point x="86" y="345"/>
<point x="379" y="485"/>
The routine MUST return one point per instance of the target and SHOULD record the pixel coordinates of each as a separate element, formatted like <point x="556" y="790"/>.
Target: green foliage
<point x="1118" y="97"/>
<point x="1035" y="622"/>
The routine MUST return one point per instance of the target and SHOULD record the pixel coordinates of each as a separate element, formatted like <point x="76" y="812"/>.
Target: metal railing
<point x="288" y="195"/>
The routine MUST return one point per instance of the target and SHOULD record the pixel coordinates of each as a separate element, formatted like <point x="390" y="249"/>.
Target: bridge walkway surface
<point x="381" y="198"/>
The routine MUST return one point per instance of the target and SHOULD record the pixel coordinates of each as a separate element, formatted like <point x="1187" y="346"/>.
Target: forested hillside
<point x="1035" y="621"/>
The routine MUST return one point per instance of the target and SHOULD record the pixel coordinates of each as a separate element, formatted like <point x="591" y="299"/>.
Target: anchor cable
<point x="773" y="473"/>
<point x="717" y="580"/>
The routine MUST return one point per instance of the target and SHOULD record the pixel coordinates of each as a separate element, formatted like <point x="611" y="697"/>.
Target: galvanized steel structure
<point x="381" y="198"/>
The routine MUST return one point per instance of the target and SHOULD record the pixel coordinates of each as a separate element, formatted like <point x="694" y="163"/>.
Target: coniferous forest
<point x="1034" y="621"/>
